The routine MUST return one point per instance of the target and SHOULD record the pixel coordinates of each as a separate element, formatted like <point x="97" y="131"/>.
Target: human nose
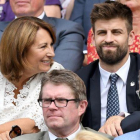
<point x="109" y="37"/>
<point x="50" y="51"/>
<point x="52" y="105"/>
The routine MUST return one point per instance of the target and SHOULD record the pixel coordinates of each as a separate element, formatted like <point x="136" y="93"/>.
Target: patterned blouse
<point x="26" y="105"/>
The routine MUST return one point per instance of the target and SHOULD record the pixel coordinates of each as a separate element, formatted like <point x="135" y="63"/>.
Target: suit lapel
<point x="49" y="20"/>
<point x="95" y="99"/>
<point x="132" y="86"/>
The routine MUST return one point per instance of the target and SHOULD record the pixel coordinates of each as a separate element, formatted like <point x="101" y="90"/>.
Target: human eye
<point x="117" y="32"/>
<point x="61" y="100"/>
<point x="101" y="32"/>
<point x="46" y="101"/>
<point x="43" y="46"/>
<point x="51" y="44"/>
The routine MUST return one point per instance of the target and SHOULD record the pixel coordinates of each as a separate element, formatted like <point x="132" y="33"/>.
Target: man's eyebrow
<point x="121" y="30"/>
<point x="100" y="30"/>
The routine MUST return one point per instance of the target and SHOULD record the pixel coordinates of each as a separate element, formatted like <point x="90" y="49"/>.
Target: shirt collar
<point x="53" y="137"/>
<point x="40" y="17"/>
<point x="122" y="73"/>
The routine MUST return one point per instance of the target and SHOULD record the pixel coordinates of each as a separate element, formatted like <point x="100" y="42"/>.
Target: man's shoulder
<point x="88" y="70"/>
<point x="64" y="25"/>
<point x="135" y="60"/>
<point x="34" y="136"/>
<point x="3" y="25"/>
<point x="96" y="132"/>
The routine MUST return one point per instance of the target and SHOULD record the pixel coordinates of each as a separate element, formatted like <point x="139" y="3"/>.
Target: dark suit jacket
<point x="45" y="136"/>
<point x="69" y="40"/>
<point x="81" y="14"/>
<point x="91" y="77"/>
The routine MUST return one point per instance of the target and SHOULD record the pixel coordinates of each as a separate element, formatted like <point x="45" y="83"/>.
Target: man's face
<point x="112" y="40"/>
<point x="64" y="119"/>
<point x="27" y="7"/>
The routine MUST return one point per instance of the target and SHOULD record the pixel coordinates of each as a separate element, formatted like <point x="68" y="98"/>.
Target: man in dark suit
<point x="135" y="135"/>
<point x="112" y="26"/>
<point x="81" y="14"/>
<point x="63" y="101"/>
<point x="69" y="35"/>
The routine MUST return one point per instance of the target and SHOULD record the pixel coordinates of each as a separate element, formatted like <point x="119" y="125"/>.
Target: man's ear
<point x="131" y="38"/>
<point x="82" y="107"/>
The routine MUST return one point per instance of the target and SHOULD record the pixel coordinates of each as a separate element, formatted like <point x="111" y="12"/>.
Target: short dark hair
<point x="110" y="10"/>
<point x="16" y="40"/>
<point x="58" y="77"/>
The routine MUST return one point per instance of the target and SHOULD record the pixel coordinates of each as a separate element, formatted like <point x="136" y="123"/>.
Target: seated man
<point x="135" y="135"/>
<point x="112" y="80"/>
<point x="69" y="35"/>
<point x="63" y="101"/>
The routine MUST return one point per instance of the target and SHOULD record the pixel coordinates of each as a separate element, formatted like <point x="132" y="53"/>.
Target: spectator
<point x="52" y="8"/>
<point x="135" y="47"/>
<point x="26" y="55"/>
<point x="6" y="13"/>
<point x="69" y="35"/>
<point x="69" y="9"/>
<point x="112" y="26"/>
<point x="65" y="5"/>
<point x="81" y="14"/>
<point x="63" y="101"/>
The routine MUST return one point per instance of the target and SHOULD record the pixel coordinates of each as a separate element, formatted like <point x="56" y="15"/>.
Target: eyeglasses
<point x="15" y="131"/>
<point x="58" y="102"/>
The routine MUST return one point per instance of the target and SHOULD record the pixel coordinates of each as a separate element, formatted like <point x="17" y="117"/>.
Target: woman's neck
<point x="19" y="84"/>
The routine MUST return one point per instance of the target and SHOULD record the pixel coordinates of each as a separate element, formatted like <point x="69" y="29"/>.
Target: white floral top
<point x="26" y="105"/>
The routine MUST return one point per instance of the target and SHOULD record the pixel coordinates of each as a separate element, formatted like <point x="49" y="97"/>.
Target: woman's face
<point x="132" y="4"/>
<point x="41" y="52"/>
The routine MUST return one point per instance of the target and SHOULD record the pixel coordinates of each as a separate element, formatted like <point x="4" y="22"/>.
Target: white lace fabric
<point x="26" y="105"/>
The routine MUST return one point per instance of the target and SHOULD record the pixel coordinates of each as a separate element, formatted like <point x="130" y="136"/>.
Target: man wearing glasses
<point x="63" y="101"/>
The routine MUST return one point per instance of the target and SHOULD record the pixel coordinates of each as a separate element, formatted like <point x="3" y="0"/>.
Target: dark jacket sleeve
<point x="131" y="123"/>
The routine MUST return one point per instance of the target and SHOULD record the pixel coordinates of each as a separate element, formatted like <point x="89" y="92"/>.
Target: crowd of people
<point x="69" y="70"/>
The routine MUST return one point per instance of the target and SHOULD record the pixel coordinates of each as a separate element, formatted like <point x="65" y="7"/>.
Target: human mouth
<point x="46" y="61"/>
<point x="53" y="116"/>
<point x="109" y="47"/>
<point x="21" y="2"/>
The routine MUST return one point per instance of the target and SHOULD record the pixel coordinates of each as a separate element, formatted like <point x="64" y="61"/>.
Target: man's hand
<point x="112" y="126"/>
<point x="5" y="136"/>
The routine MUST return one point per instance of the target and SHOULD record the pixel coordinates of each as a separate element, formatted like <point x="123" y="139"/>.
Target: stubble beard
<point x="112" y="57"/>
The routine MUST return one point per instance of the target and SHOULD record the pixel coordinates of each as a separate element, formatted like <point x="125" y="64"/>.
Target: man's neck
<point x="113" y="68"/>
<point x="65" y="132"/>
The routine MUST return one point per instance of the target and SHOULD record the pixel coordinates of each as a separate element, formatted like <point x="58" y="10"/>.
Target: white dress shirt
<point x="71" y="137"/>
<point x="40" y="17"/>
<point x="121" y="88"/>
